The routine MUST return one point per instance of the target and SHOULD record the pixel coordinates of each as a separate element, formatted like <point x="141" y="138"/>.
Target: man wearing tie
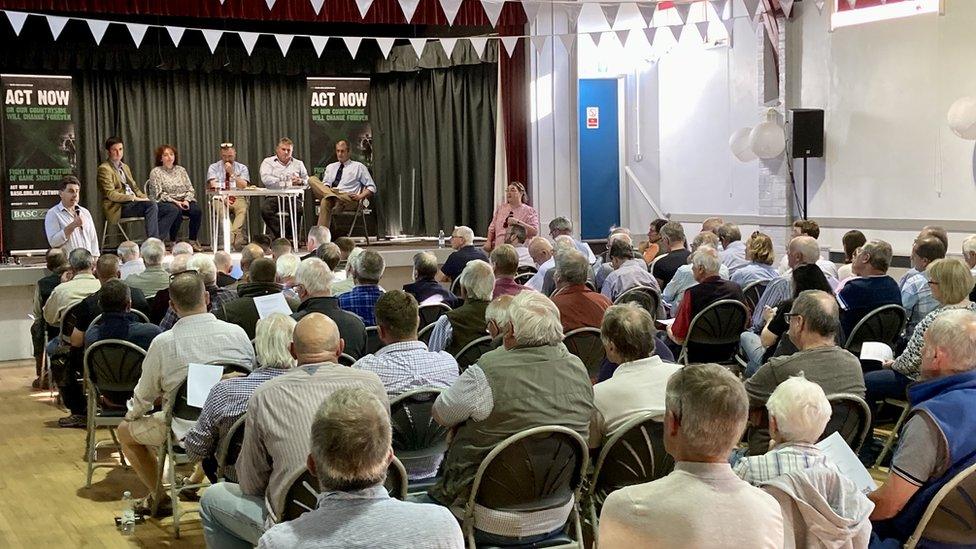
<point x="343" y="185"/>
<point x="122" y="196"/>
<point x="281" y="171"/>
<point x="68" y="225"/>
<point x="228" y="173"/>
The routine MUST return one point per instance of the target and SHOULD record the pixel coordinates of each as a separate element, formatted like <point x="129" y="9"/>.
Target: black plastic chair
<point x="303" y="491"/>
<point x="721" y="323"/>
<point x="417" y="438"/>
<point x="884" y="325"/>
<point x="523" y="278"/>
<point x="527" y="269"/>
<point x="538" y="469"/>
<point x="634" y="454"/>
<point x="471" y="352"/>
<point x="136" y="312"/>
<point x="424" y="333"/>
<point x="346" y="360"/>
<point x="851" y="417"/>
<point x="429" y="313"/>
<point x="753" y="291"/>
<point x="456" y="286"/>
<point x="950" y="518"/>
<point x="587" y="344"/>
<point x="231" y="367"/>
<point x="645" y="296"/>
<point x="230" y="449"/>
<point x="373" y="342"/>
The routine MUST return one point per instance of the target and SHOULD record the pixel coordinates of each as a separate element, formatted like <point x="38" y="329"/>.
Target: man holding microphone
<point x="228" y="173"/>
<point x="281" y="171"/>
<point x="67" y="224"/>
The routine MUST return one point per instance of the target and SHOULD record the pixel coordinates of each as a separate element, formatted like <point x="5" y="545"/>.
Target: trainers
<point x="73" y="421"/>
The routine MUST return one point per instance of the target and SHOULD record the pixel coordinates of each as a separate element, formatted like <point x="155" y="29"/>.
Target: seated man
<point x="497" y="319"/>
<point x="350" y="451"/>
<point x="56" y="263"/>
<point x="462" y="240"/>
<point x="344" y="185"/>
<point x="154" y="277"/>
<point x="542" y="255"/>
<point x="604" y="266"/>
<point x="560" y="226"/>
<point x="637" y="385"/>
<point x="77" y="284"/>
<point x="197" y="337"/>
<point x="219" y="297"/>
<point x="916" y="294"/>
<point x="578" y="305"/>
<point x="367" y="270"/>
<point x="281" y="171"/>
<point x="516" y="236"/>
<point x="227" y="400"/>
<point x="802" y="250"/>
<point x="228" y="173"/>
<point x="683" y="277"/>
<point x="532" y="381"/>
<point x="701" y="503"/>
<point x="285" y="267"/>
<point x="871" y="288"/>
<point x="937" y="441"/>
<point x="733" y="254"/>
<point x="123" y="197"/>
<point x="467" y="323"/>
<point x="250" y="252"/>
<point x="424" y="288"/>
<point x="132" y="262"/>
<point x="261" y="282"/>
<point x="317" y="236"/>
<point x="564" y="244"/>
<point x="504" y="261"/>
<point x="280" y="247"/>
<point x="628" y="272"/>
<point x="312" y="282"/>
<point x="810" y="228"/>
<point x="675" y="253"/>
<point x="814" y="322"/>
<point x="115" y="302"/>
<point x="276" y="446"/>
<point x="225" y="264"/>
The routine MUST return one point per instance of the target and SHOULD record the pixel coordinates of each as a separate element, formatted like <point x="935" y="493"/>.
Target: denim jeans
<point x="147" y="210"/>
<point x="230" y="518"/>
<point x="752" y="347"/>
<point x="882" y="384"/>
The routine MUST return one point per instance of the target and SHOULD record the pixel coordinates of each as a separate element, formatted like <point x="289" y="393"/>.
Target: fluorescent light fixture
<point x="895" y="10"/>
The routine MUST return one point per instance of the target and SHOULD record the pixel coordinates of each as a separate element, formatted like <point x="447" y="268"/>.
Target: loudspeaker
<point x="808" y="133"/>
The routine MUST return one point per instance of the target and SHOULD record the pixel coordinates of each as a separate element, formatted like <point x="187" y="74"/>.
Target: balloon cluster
<point x="767" y="140"/>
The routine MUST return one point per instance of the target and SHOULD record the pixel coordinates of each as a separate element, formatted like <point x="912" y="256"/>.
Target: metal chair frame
<point x="118" y="226"/>
<point x="862" y="433"/>
<point x="142" y="317"/>
<point x="683" y="356"/>
<point x="304" y="480"/>
<point x="440" y="310"/>
<point x="230" y="447"/>
<point x="936" y="504"/>
<point x="854" y="346"/>
<point x="456" y="286"/>
<point x="592" y="369"/>
<point x="644" y="290"/>
<point x="906" y="407"/>
<point x="440" y="446"/>
<point x="748" y="290"/>
<point x="523" y="278"/>
<point x="424" y="333"/>
<point x="471" y="345"/>
<point x="373" y="342"/>
<point x="346" y="360"/>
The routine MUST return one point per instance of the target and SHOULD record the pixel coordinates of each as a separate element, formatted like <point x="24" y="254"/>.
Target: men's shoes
<point x="40" y="384"/>
<point x="74" y="421"/>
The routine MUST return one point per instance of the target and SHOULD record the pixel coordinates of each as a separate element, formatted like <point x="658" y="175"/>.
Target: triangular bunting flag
<point x="493" y="10"/>
<point x="650" y="34"/>
<point x="647" y="12"/>
<point x="450" y="8"/>
<point x="751" y="7"/>
<point x="510" y="43"/>
<point x="572" y="13"/>
<point x="596" y="37"/>
<point x="249" y="39"/>
<point x="539" y="42"/>
<point x="702" y="30"/>
<point x="213" y="37"/>
<point x="787" y="6"/>
<point x="729" y="24"/>
<point x="386" y="46"/>
<point x="448" y="44"/>
<point x="408" y="7"/>
<point x="676" y="30"/>
<point x="478" y="43"/>
<point x="722" y="9"/>
<point x="175" y="34"/>
<point x="317" y="5"/>
<point x="754" y="21"/>
<point x="622" y="36"/>
<point x="318" y="43"/>
<point x="284" y="42"/>
<point x="352" y="44"/>
<point x="56" y="24"/>
<point x="682" y="11"/>
<point x="610" y="11"/>
<point x="567" y="40"/>
<point x="531" y="9"/>
<point x="137" y="31"/>
<point x="363" y="6"/>
<point x="97" y="28"/>
<point x="418" y="45"/>
<point x="270" y="4"/>
<point x="851" y="3"/>
<point x="17" y="20"/>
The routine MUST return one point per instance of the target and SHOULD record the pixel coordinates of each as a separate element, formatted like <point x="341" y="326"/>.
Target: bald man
<point x="541" y="251"/>
<point x="276" y="441"/>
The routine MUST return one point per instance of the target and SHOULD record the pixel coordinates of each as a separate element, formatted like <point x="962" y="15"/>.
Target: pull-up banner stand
<point x="338" y="110"/>
<point x="38" y="137"/>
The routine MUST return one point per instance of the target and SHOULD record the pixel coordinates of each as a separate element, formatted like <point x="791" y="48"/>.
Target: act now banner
<point x="39" y="149"/>
<point x="338" y="110"/>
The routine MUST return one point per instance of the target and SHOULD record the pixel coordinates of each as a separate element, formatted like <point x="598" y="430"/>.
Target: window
<point x="870" y="11"/>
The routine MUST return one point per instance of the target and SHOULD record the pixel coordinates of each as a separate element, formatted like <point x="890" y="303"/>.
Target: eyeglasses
<point x="790" y="316"/>
<point x="194" y="272"/>
<point x="933" y="283"/>
<point x="226" y="145"/>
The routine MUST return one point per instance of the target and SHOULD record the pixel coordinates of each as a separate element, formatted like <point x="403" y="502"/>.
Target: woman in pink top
<point x="512" y="212"/>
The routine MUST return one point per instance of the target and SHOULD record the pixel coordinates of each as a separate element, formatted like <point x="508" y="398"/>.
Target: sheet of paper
<point x="666" y="321"/>
<point x="873" y="350"/>
<point x="200" y="378"/>
<point x="841" y="455"/>
<point x="270" y="304"/>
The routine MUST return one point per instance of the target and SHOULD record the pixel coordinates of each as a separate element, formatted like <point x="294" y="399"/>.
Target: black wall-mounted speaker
<point x="808" y="133"/>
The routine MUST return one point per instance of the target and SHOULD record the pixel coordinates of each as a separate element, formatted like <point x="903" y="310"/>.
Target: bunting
<point x="284" y="43"/>
<point x="450" y="8"/>
<point x="448" y="45"/>
<point x="510" y="42"/>
<point x="175" y="34"/>
<point x="249" y="39"/>
<point x="318" y="43"/>
<point x="352" y="44"/>
<point x="56" y="24"/>
<point x="418" y="45"/>
<point x="386" y="46"/>
<point x="212" y="37"/>
<point x="478" y="43"/>
<point x="137" y="31"/>
<point x="17" y="20"/>
<point x="493" y="10"/>
<point x="97" y="28"/>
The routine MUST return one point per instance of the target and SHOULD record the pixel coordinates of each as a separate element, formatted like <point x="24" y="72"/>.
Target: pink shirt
<point x="524" y="213"/>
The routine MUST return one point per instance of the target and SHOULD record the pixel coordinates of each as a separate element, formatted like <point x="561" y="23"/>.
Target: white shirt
<point x="539" y="277"/>
<point x="525" y="258"/>
<point x="636" y="388"/>
<point x="135" y="266"/>
<point x="276" y="175"/>
<point x="59" y="217"/>
<point x="355" y="176"/>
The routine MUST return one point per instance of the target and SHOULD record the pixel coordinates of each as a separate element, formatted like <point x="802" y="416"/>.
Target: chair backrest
<point x="113" y="365"/>
<point x="424" y="333"/>
<point x="645" y="296"/>
<point x="720" y="323"/>
<point x="179" y="408"/>
<point x="851" y="417"/>
<point x="523" y="278"/>
<point x="527" y="269"/>
<point x="538" y="469"/>
<point x="950" y="517"/>
<point x="346" y="360"/>
<point x="136" y="312"/>
<point x="415" y="433"/>
<point x="230" y="446"/>
<point x="586" y="344"/>
<point x="431" y="312"/>
<point x="471" y="352"/>
<point x="69" y="319"/>
<point x="753" y="291"/>
<point x="303" y="491"/>
<point x="634" y="454"/>
<point x="231" y="367"/>
<point x="883" y="324"/>
<point x="373" y="342"/>
<point x="456" y="286"/>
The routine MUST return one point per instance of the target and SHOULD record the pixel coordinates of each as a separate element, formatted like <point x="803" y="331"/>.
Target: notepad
<point x="874" y="350"/>
<point x="840" y="454"/>
<point x="267" y="305"/>
<point x="200" y="378"/>
<point x="666" y="321"/>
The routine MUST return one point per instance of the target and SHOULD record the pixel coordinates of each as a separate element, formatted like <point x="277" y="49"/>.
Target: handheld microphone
<point x="77" y="209"/>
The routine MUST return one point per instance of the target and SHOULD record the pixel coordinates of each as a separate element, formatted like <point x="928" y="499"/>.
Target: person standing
<point x="121" y="195"/>
<point x="343" y="186"/>
<point x="170" y="186"/>
<point x="228" y="173"/>
<point x="513" y="212"/>
<point x="281" y="171"/>
<point x="69" y="225"/>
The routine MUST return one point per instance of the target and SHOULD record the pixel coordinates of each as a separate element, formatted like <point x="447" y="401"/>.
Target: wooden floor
<point x="43" y="499"/>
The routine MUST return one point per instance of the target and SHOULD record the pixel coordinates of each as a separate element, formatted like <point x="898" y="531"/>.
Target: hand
<point x="183" y="204"/>
<point x="768" y="313"/>
<point x="887" y="364"/>
<point x="241" y="183"/>
<point x="77" y="223"/>
<point x="229" y="168"/>
<point x="141" y="199"/>
<point x="296" y="181"/>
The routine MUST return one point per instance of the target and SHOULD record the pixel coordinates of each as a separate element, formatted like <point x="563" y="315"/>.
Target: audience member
<point x="281" y="171"/>
<point x="106" y="269"/>
<point x="712" y="225"/>
<point x="56" y="263"/>
<point x="542" y="255"/>
<point x="969" y="256"/>
<point x="801" y="227"/>
<point x="684" y="278"/>
<point x="280" y="247"/>
<point x="285" y="267"/>
<point x="814" y="323"/>
<point x="264" y="241"/>
<point x="225" y="264"/>
<point x="802" y="250"/>
<point x="675" y="255"/>
<point x="347" y="250"/>
<point x="604" y="267"/>
<point x="250" y="252"/>
<point x="516" y="236"/>
<point x="852" y="241"/>
<point x="578" y="305"/>
<point x="350" y="451"/>
<point x="628" y="272"/>
<point x="219" y="297"/>
<point x="929" y="230"/>
<point x="77" y="284"/>
<point x="564" y="244"/>
<point x="514" y="211"/>
<point x="317" y="236"/>
<point x="759" y="253"/>
<point x="532" y="381"/>
<point x="637" y="385"/>
<point x="916" y="292"/>
<point x="132" y="263"/>
<point x="462" y="240"/>
<point x="197" y="337"/>
<point x="276" y="445"/>
<point x="504" y="262"/>
<point x="702" y="503"/>
<point x="871" y="288"/>
<point x="69" y="225"/>
<point x="651" y="248"/>
<point x="312" y="282"/>
<point x="497" y="319"/>
<point x="154" y="277"/>
<point x="466" y="323"/>
<point x="733" y="254"/>
<point x="560" y="226"/>
<point x="424" y="288"/>
<point x="181" y="248"/>
<point x="121" y="194"/>
<point x="367" y="270"/>
<point x="242" y="311"/>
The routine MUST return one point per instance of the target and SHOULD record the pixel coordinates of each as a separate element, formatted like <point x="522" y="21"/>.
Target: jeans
<point x="230" y="518"/>
<point x="174" y="216"/>
<point x="752" y="346"/>
<point x="147" y="210"/>
<point x="882" y="384"/>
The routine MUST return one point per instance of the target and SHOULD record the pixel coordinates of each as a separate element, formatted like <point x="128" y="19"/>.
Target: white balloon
<point x="962" y="117"/>
<point x="767" y="140"/>
<point x="739" y="143"/>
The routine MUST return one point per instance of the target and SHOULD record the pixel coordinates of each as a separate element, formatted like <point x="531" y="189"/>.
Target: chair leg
<point x="91" y="449"/>
<point x="890" y="441"/>
<point x="174" y="493"/>
<point x="594" y="527"/>
<point x="160" y="470"/>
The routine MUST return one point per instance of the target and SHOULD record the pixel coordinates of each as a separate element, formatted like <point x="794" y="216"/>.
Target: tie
<point x="335" y="183"/>
<point x="226" y="180"/>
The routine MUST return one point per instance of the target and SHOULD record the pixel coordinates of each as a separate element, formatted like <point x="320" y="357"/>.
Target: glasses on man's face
<point x="790" y="316"/>
<point x="193" y="272"/>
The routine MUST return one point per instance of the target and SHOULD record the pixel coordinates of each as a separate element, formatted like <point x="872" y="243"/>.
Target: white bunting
<point x="539" y="42"/>
<point x="682" y="11"/>
<point x="176" y="34"/>
<point x="450" y="8"/>
<point x="478" y="43"/>
<point x="531" y="9"/>
<point x="751" y="7"/>
<point x="363" y="6"/>
<point x="702" y="27"/>
<point x="650" y="34"/>
<point x="213" y="37"/>
<point x="56" y="24"/>
<point x="493" y="10"/>
<point x="787" y="6"/>
<point x="676" y="30"/>
<point x="97" y="28"/>
<point x="622" y="36"/>
<point x="754" y="21"/>
<point x="572" y="13"/>
<point x="270" y="4"/>
<point x="596" y="37"/>
<point x="510" y="42"/>
<point x="408" y="7"/>
<point x="17" y="20"/>
<point x="852" y="3"/>
<point x="610" y="12"/>
<point x="722" y="9"/>
<point x="317" y="5"/>
<point x="418" y="45"/>
<point x="386" y="46"/>
<point x="352" y="44"/>
<point x="448" y="45"/>
<point x="284" y="43"/>
<point x="567" y="40"/>
<point x="820" y="5"/>
<point x="137" y="31"/>
<point x="647" y="12"/>
<point x="318" y="43"/>
<point x="249" y="39"/>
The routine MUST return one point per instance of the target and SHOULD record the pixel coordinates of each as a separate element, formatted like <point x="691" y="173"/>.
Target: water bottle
<point x="128" y="522"/>
<point x="440" y="239"/>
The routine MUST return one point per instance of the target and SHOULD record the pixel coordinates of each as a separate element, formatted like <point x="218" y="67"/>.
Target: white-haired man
<point x="462" y="240"/>
<point x="367" y="270"/>
<point x="544" y="255"/>
<point x="701" y="503"/>
<point x="683" y="278"/>
<point x="350" y="451"/>
<point x="603" y="268"/>
<point x="733" y="254"/>
<point x="425" y="288"/>
<point x="466" y="323"/>
<point x="313" y="281"/>
<point x="802" y="250"/>
<point x="132" y="263"/>
<point x="204" y="265"/>
<point x="317" y="236"/>
<point x="532" y="381"/>
<point x="154" y="277"/>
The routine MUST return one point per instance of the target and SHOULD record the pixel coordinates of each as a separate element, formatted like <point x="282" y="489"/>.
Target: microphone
<point x="77" y="209"/>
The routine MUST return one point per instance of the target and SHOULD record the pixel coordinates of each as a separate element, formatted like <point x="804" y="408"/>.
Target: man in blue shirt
<point x="871" y="288"/>
<point x="462" y="240"/>
<point x="344" y="184"/>
<point x="916" y="294"/>
<point x="367" y="269"/>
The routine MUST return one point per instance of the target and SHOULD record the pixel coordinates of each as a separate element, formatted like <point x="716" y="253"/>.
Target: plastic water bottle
<point x="128" y="523"/>
<point x="440" y="239"/>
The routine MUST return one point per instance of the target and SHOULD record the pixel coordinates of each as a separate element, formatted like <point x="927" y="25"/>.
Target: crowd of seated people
<point x="315" y="399"/>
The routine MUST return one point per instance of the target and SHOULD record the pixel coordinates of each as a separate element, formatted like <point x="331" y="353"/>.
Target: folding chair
<point x="851" y="417"/>
<point x="346" y="360"/>
<point x="419" y="442"/>
<point x="137" y="313"/>
<point x="373" y="342"/>
<point x="883" y="325"/>
<point x="523" y="278"/>
<point x="428" y="314"/>
<point x="230" y="449"/>
<point x="539" y="469"/>
<point x="231" y="367"/>
<point x="906" y="407"/>
<point x="587" y="344"/>
<point x="526" y="269"/>
<point x="753" y="291"/>
<point x="645" y="296"/>
<point x="119" y="231"/>
<point x="175" y="407"/>
<point x="424" y="333"/>
<point x="303" y="492"/>
<point x="950" y="518"/>
<point x="721" y="323"/>
<point x="456" y="286"/>
<point x="111" y="367"/>
<point x="471" y="352"/>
